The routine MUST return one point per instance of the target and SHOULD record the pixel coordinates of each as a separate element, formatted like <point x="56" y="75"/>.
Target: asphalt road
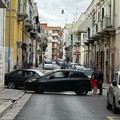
<point x="65" y="106"/>
<point x="60" y="106"/>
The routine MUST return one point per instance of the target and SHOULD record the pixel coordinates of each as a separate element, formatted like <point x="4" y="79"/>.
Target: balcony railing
<point x="55" y="34"/>
<point x="54" y="40"/>
<point x="21" y="16"/>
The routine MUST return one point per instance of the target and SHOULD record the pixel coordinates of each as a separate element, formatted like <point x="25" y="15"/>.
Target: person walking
<point x="94" y="80"/>
<point x="100" y="81"/>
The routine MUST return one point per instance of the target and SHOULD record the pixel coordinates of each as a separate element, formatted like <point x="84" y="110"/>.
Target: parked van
<point x="113" y="93"/>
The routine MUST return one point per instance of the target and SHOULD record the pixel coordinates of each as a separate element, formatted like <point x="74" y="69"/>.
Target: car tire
<point x="81" y="90"/>
<point x="114" y="108"/>
<point x="108" y="105"/>
<point x="11" y="85"/>
<point x="40" y="88"/>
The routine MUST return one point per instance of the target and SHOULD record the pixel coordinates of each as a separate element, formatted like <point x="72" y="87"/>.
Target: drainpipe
<point x="114" y="13"/>
<point x="9" y="35"/>
<point x="109" y="60"/>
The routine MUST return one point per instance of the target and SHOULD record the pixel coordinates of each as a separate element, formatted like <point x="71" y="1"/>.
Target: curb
<point x="18" y="96"/>
<point x="7" y="105"/>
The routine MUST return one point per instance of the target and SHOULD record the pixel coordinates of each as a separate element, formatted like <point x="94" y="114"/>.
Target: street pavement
<point x="9" y="96"/>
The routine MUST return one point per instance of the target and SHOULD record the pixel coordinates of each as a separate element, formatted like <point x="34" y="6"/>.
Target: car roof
<point x="70" y="70"/>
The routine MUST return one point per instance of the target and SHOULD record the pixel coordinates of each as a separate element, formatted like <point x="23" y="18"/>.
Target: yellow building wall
<point x="15" y="30"/>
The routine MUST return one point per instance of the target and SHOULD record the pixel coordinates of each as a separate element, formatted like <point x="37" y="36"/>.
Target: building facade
<point x="3" y="6"/>
<point x="22" y="23"/>
<point x="99" y="31"/>
<point x="52" y="35"/>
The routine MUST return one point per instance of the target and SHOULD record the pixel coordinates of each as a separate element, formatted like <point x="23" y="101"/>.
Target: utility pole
<point x="9" y="35"/>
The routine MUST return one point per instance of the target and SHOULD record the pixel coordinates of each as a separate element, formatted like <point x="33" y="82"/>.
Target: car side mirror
<point x="114" y="83"/>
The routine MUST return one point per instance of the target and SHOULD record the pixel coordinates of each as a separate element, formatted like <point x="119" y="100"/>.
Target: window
<point x="78" y="74"/>
<point x="18" y="73"/>
<point x="58" y="75"/>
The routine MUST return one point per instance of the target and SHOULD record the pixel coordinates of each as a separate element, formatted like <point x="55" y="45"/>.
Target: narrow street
<point x="60" y="106"/>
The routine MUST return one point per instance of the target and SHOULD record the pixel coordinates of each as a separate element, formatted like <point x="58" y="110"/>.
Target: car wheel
<point x="11" y="85"/>
<point x="40" y="88"/>
<point x="114" y="108"/>
<point x="81" y="90"/>
<point x="108" y="105"/>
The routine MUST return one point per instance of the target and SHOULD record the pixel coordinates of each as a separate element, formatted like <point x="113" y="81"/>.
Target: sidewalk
<point x="8" y="97"/>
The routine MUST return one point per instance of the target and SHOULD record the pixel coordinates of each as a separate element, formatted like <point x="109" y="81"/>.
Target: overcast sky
<point x="50" y="11"/>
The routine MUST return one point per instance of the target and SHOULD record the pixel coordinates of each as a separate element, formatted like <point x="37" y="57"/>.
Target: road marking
<point x="109" y="118"/>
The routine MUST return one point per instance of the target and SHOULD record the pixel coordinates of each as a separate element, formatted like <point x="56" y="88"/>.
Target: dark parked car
<point x="88" y="72"/>
<point x="60" y="80"/>
<point x="17" y="78"/>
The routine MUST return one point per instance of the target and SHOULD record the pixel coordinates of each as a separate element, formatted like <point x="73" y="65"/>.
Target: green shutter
<point x="30" y="14"/>
<point x="71" y="39"/>
<point x="79" y="37"/>
<point x="19" y="1"/>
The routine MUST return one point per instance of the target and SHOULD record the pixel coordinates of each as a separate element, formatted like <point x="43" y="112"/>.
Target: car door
<point x="76" y="79"/>
<point x="56" y="81"/>
<point x="18" y="77"/>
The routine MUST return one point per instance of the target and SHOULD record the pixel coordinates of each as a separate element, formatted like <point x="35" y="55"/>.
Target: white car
<point x="74" y="66"/>
<point x="48" y="64"/>
<point x="113" y="94"/>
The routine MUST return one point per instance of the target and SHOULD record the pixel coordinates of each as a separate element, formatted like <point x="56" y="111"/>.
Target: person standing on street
<point x="100" y="81"/>
<point x="94" y="80"/>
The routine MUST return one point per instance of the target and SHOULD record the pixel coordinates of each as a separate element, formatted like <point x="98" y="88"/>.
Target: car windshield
<point x="48" y="73"/>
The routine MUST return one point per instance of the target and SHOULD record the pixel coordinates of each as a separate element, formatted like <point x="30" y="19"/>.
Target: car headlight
<point x="31" y="80"/>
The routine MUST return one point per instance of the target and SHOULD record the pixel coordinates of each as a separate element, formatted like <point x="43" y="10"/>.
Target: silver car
<point x="48" y="64"/>
<point x="113" y="94"/>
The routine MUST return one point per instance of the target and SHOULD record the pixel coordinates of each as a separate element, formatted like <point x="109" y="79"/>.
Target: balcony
<point x="55" y="34"/>
<point x="33" y="34"/>
<point x="54" y="47"/>
<point x="28" y="24"/>
<point x="55" y="40"/>
<point x="4" y="3"/>
<point x="54" y="53"/>
<point x="108" y="29"/>
<point x="22" y="16"/>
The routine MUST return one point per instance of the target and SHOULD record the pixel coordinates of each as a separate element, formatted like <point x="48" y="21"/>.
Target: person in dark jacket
<point x="94" y="80"/>
<point x="100" y="81"/>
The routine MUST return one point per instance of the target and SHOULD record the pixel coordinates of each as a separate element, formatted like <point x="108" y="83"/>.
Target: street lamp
<point x="74" y="14"/>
